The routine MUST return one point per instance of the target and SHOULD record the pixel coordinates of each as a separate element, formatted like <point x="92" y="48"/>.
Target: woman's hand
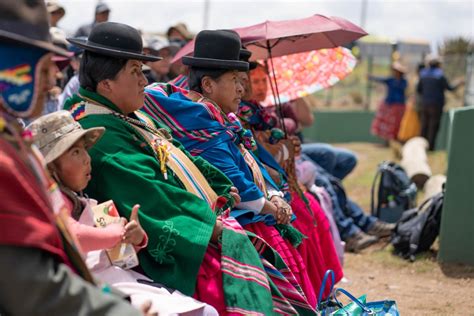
<point x="217" y="232"/>
<point x="134" y="233"/>
<point x="284" y="211"/>
<point x="234" y="192"/>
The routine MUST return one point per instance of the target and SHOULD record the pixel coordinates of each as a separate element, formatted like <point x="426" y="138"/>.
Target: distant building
<point x="411" y="52"/>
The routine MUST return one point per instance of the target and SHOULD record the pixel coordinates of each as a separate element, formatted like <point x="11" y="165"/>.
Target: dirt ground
<point x="424" y="287"/>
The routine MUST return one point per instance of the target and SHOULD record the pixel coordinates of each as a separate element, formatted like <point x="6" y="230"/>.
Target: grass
<point x="423" y="287"/>
<point x="359" y="182"/>
<point x="358" y="185"/>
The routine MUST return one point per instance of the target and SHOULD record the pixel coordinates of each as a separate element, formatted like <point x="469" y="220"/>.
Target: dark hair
<point x="95" y="68"/>
<point x="196" y="75"/>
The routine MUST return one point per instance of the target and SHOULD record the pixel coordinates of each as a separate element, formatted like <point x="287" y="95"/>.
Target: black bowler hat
<point x="245" y="56"/>
<point x="26" y="22"/>
<point x="216" y="50"/>
<point x="116" y="40"/>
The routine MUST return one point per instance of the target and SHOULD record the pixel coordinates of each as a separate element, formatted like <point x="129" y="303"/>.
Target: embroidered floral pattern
<point x="166" y="244"/>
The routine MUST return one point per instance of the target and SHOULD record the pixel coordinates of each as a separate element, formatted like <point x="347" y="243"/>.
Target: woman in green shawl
<point x="193" y="245"/>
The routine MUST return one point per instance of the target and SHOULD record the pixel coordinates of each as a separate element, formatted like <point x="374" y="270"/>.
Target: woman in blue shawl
<point x="203" y="120"/>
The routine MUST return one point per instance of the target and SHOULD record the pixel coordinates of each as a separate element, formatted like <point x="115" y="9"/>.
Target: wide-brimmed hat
<point x="156" y="43"/>
<point x="433" y="59"/>
<point x="54" y="6"/>
<point x="216" y="50"/>
<point x="182" y="29"/>
<point x="26" y="22"/>
<point x="245" y="55"/>
<point x="116" y="40"/>
<point x="56" y="132"/>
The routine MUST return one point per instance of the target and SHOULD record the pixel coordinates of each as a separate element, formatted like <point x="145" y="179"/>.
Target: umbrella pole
<point x="274" y="87"/>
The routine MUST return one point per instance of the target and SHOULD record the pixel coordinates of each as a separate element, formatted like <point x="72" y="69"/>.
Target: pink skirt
<point x="209" y="284"/>
<point x="317" y="250"/>
<point x="289" y="254"/>
<point x="387" y="120"/>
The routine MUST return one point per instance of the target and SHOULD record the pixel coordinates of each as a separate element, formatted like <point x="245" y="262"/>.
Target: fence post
<point x="368" y="91"/>
<point x="457" y="221"/>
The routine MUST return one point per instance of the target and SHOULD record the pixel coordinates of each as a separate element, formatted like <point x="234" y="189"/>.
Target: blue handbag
<point x="378" y="308"/>
<point x="327" y="306"/>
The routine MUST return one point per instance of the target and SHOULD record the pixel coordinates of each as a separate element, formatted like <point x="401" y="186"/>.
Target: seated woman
<point x="204" y="120"/>
<point x="64" y="145"/>
<point x="193" y="245"/>
<point x="318" y="250"/>
<point x="356" y="228"/>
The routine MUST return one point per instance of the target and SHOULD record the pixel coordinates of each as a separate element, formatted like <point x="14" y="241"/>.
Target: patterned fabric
<point x="181" y="81"/>
<point x="126" y="170"/>
<point x="317" y="250"/>
<point x="283" y="279"/>
<point x="240" y="264"/>
<point x="252" y="114"/>
<point x="202" y="115"/>
<point x="386" y="123"/>
<point x="204" y="124"/>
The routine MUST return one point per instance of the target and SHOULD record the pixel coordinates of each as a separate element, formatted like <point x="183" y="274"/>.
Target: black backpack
<point x="396" y="192"/>
<point x="418" y="228"/>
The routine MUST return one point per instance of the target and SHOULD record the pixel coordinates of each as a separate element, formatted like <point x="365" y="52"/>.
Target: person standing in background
<point x="390" y="112"/>
<point x="431" y="87"/>
<point x="102" y="12"/>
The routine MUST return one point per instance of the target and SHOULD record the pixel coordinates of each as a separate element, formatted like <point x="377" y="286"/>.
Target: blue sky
<point x="431" y="20"/>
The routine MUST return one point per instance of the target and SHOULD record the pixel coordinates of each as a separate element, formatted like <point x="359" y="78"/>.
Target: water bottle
<point x="391" y="201"/>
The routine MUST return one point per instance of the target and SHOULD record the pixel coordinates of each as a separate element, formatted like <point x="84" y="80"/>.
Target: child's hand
<point x="134" y="233"/>
<point x="118" y="228"/>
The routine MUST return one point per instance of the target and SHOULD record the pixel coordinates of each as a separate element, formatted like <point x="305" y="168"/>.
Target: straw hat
<point x="182" y="29"/>
<point x="56" y="132"/>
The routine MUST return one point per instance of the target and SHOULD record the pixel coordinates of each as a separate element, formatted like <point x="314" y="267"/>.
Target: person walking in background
<point x="390" y="113"/>
<point x="431" y="87"/>
<point x="102" y="12"/>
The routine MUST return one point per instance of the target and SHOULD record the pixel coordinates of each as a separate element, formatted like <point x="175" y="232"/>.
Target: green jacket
<point x="178" y="223"/>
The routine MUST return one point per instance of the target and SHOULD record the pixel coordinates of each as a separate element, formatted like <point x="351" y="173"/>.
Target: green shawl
<point x="179" y="224"/>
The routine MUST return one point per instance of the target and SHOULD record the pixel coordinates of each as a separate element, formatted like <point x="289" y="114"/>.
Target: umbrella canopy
<point x="301" y="74"/>
<point x="292" y="36"/>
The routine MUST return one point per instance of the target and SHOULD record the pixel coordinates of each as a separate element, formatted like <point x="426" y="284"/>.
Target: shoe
<point x="360" y="241"/>
<point x="381" y="229"/>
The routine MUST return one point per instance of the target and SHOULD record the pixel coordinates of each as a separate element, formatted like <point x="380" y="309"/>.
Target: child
<point x="64" y="144"/>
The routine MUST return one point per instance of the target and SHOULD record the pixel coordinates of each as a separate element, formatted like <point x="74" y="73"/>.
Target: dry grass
<point x="420" y="288"/>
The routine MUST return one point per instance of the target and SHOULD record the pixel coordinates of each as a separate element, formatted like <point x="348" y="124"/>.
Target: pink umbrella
<point x="279" y="38"/>
<point x="301" y="74"/>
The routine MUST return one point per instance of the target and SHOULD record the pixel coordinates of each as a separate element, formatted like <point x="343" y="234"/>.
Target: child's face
<point x="74" y="167"/>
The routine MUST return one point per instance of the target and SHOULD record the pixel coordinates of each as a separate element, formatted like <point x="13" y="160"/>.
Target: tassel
<point x="163" y="154"/>
<point x="294" y="236"/>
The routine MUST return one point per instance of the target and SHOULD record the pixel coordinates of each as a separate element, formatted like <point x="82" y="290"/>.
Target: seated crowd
<point x="225" y="217"/>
